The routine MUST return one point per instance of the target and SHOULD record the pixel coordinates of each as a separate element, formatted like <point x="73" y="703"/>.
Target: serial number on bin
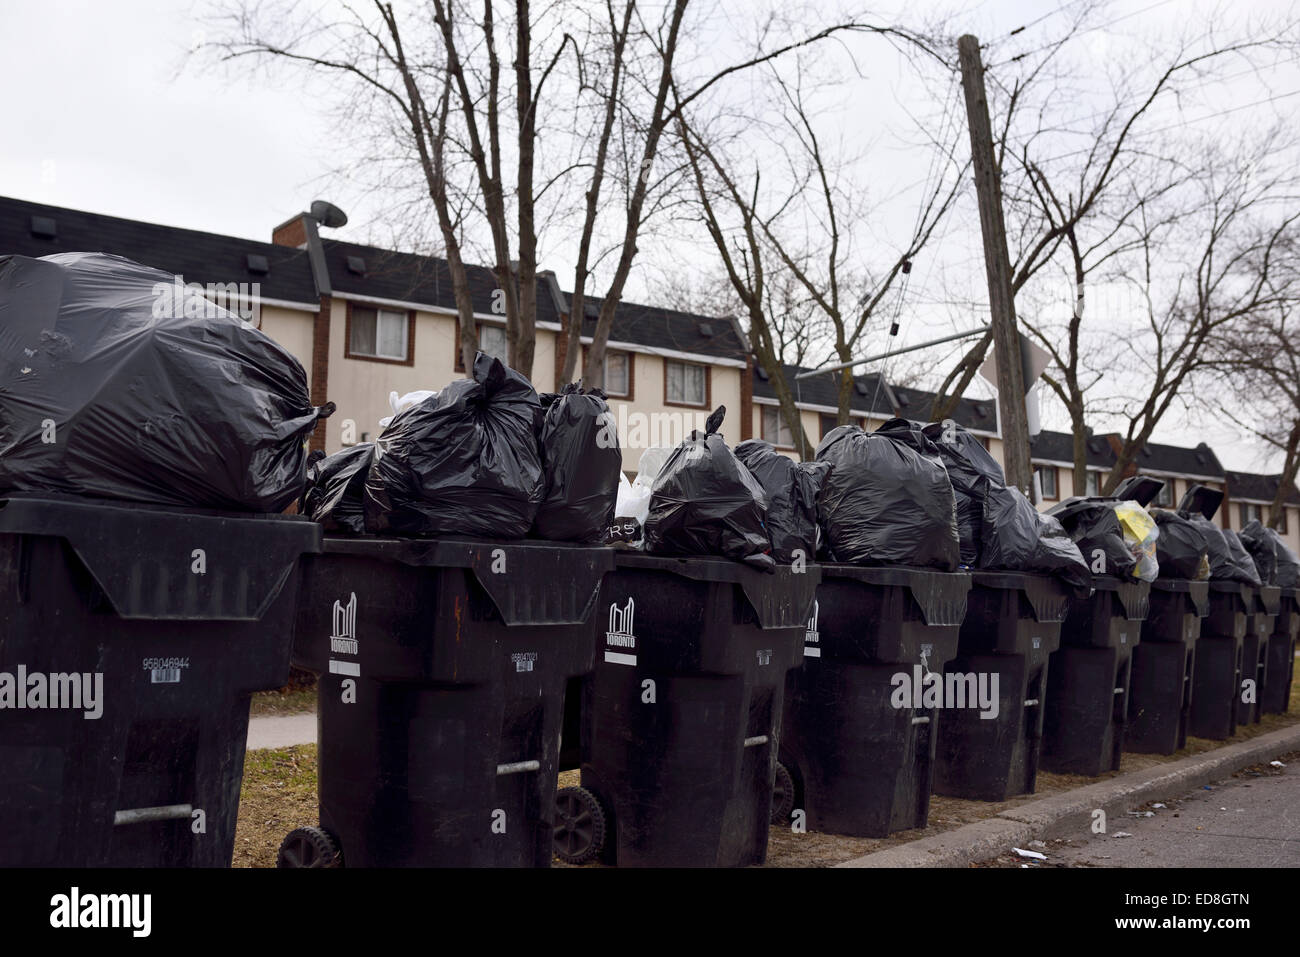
<point x="164" y="671"/>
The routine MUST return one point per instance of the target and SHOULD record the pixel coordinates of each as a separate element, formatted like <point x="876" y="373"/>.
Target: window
<point x="1165" y="497"/>
<point x="378" y="333"/>
<point x="618" y="379"/>
<point x="492" y="340"/>
<point x="685" y="383"/>
<point x="1047" y="480"/>
<point x="1094" y="483"/>
<point x="774" y="428"/>
<point x="1248" y="512"/>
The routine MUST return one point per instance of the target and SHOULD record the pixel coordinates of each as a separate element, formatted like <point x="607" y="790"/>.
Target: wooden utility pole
<point x="997" y="264"/>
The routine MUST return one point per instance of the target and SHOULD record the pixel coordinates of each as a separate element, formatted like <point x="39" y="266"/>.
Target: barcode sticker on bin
<point x="165" y="671"/>
<point x="165" y="676"/>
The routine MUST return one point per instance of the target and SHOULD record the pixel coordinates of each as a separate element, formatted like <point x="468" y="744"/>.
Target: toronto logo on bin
<point x="812" y="640"/>
<point x="620" y="634"/>
<point x="343" y="637"/>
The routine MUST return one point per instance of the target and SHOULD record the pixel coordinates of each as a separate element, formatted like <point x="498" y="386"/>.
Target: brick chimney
<point x="291" y="232"/>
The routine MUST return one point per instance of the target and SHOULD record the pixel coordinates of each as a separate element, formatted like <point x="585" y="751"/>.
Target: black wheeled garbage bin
<point x="1281" y="654"/>
<point x="1012" y="626"/>
<point x="1160" y="689"/>
<point x="678" y="724"/>
<point x="1088" y="678"/>
<point x="132" y="639"/>
<point x="859" y="738"/>
<point x="1255" y="652"/>
<point x="442" y="669"/>
<point x="1216" y="675"/>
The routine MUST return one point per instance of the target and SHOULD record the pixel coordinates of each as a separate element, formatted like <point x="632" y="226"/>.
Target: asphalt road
<point x="1250" y="820"/>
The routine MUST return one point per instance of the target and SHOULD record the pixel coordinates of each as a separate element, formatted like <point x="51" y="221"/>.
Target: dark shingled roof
<point x="195" y="256"/>
<point x="660" y="328"/>
<point x="1261" y="488"/>
<point x="1059" y="447"/>
<point x="1178" y="460"/>
<point x="871" y="397"/>
<point x="409" y="277"/>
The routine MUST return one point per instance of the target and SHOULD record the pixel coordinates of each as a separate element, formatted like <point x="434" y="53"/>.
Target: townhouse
<point x="366" y="322"/>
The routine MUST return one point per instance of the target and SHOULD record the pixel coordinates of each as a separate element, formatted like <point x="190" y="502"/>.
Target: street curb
<point x="1071" y="813"/>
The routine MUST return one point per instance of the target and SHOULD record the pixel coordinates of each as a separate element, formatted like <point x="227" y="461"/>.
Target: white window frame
<point x="682" y="400"/>
<point x="627" y="374"/>
<point x="784" y="438"/>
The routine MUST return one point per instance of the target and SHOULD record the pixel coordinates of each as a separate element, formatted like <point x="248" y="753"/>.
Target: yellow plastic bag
<point x="1140" y="534"/>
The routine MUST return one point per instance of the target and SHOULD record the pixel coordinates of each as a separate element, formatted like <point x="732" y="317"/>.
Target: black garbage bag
<point x="1263" y="550"/>
<point x="792" y="489"/>
<point x="582" y="462"/>
<point x="117" y="381"/>
<point x="462" y="462"/>
<point x="1243" y="565"/>
<point x="884" y="503"/>
<point x="1288" y="566"/>
<point x="1181" y="549"/>
<point x="1228" y="559"/>
<point x="705" y="502"/>
<point x="1017" y="537"/>
<point x="1096" y="530"/>
<point x="336" y="489"/>
<point x="967" y="462"/>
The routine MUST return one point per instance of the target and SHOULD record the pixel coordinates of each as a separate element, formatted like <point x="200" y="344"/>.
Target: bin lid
<point x="1048" y="596"/>
<point x="157" y="562"/>
<point x="1270" y="599"/>
<point x="529" y="582"/>
<point x="1134" y="595"/>
<point x="941" y="596"/>
<point x="781" y="598"/>
<point x="1197" y="591"/>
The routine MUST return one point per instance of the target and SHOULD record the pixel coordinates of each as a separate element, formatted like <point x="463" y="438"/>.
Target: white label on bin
<point x="1123" y="638"/>
<point x="524" y="660"/>
<point x="1037" y="642"/>
<point x="764" y="656"/>
<point x="343" y="633"/>
<point x="164" y="671"/>
<point x="620" y="634"/>
<point x="345" y="668"/>
<point x="809" y="651"/>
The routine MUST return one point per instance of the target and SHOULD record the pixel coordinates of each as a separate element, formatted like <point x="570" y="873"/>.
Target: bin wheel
<point x="579" y="825"/>
<point x="782" y="795"/>
<point x="309" y="847"/>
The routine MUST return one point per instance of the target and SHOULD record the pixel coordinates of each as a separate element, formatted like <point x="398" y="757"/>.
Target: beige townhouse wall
<point x="292" y="329"/>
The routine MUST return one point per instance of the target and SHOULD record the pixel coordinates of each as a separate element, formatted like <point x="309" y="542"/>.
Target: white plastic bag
<point x="633" y="500"/>
<point x="652" y="461"/>
<point x="402" y="403"/>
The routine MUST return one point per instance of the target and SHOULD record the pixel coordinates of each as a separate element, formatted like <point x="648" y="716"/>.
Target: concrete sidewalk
<point x="1071" y="813"/>
<point x="281" y="731"/>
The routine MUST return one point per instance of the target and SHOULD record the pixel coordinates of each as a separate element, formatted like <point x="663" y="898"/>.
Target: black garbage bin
<point x="1255" y="653"/>
<point x="1216" y="676"/>
<point x="678" y="723"/>
<point x="442" y="669"/>
<point x="859" y="741"/>
<point x="1160" y="689"/>
<point x="1088" y="678"/>
<point x="1281" y="653"/>
<point x="1012" y="626"/>
<point x="132" y="640"/>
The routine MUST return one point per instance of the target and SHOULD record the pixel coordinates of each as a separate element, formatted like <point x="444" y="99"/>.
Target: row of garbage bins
<point x="700" y="698"/>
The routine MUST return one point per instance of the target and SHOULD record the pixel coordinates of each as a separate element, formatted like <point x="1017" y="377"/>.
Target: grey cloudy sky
<point x="104" y="113"/>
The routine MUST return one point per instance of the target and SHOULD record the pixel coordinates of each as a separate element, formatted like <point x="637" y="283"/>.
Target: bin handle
<point x="518" y="767"/>
<point x="146" y="815"/>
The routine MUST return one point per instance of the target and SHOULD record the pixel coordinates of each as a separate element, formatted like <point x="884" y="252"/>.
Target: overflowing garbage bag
<point x="1017" y="537"/>
<point x="972" y="470"/>
<point x="884" y="502"/>
<point x="336" y="489"/>
<point x="1095" y="527"/>
<point x="705" y="502"/>
<point x="792" y="489"/>
<point x="1181" y="550"/>
<point x="1274" y="561"/>
<point x="582" y="465"/>
<point x="1140" y="535"/>
<point x="119" y="381"/>
<point x="1228" y="559"/>
<point x="462" y="462"/>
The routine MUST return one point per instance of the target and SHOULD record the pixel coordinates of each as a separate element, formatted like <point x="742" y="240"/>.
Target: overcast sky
<point x="104" y="113"/>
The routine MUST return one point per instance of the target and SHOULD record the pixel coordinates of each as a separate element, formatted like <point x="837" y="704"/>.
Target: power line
<point x="1101" y="26"/>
